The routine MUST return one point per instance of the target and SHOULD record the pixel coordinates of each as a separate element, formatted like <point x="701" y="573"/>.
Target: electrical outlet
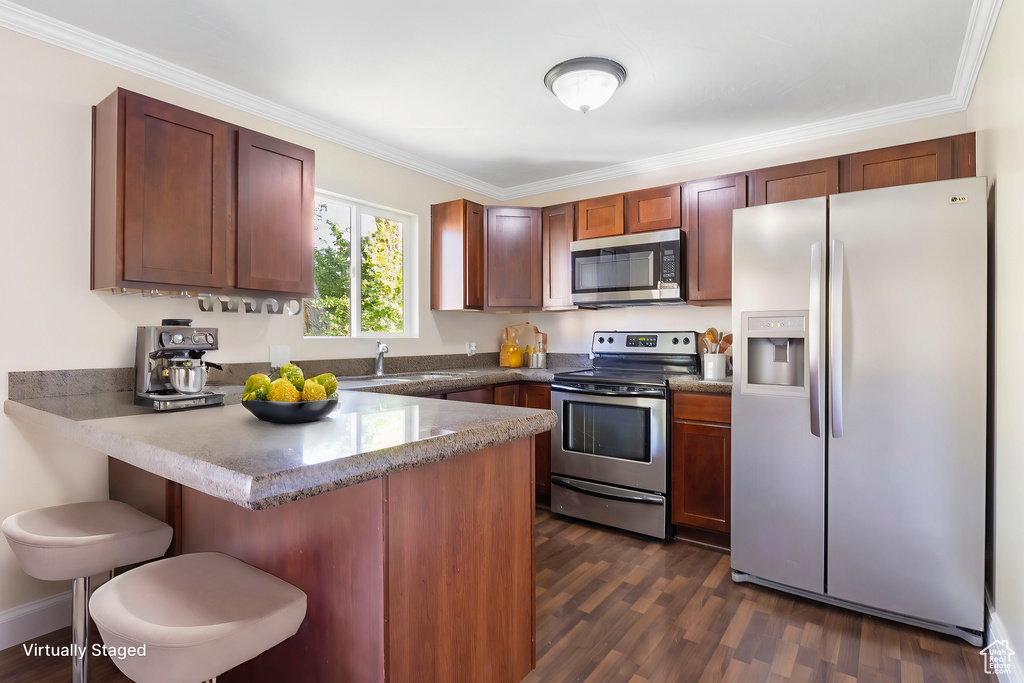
<point x="470" y="348"/>
<point x="279" y="355"/>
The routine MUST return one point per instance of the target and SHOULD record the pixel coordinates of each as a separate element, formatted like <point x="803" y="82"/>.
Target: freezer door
<point x="778" y="470"/>
<point x="906" y="470"/>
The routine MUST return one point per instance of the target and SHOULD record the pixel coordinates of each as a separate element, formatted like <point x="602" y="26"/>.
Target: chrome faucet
<point x="378" y="364"/>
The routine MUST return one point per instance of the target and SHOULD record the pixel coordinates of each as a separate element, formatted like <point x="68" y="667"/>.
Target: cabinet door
<point x="600" y="217"/>
<point x="512" y="248"/>
<point x="456" y="256"/>
<point x="479" y="395"/>
<point x="558" y="224"/>
<point x="918" y="162"/>
<point x="473" y="256"/>
<point x="177" y="214"/>
<point x="506" y="395"/>
<point x="806" y="179"/>
<point x="275" y="215"/>
<point x="709" y="206"/>
<point x="701" y="475"/>
<point x="539" y="396"/>
<point x="657" y="208"/>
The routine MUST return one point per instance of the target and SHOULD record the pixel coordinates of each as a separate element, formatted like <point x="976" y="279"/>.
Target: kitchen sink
<point x="390" y="379"/>
<point x="417" y="378"/>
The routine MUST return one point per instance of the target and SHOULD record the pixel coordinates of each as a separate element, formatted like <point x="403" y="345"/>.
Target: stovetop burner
<point x="638" y="358"/>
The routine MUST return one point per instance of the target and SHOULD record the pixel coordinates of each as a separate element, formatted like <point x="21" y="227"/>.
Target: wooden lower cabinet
<point x="701" y="466"/>
<point x="478" y="395"/>
<point x="524" y="395"/>
<point x="424" y="576"/>
<point x="535" y="395"/>
<point x="506" y="395"/>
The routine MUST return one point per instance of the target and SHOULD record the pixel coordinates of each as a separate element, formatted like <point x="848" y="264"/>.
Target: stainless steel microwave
<point x="626" y="270"/>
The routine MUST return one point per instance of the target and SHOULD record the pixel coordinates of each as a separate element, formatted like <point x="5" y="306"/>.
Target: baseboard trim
<point x="997" y="632"/>
<point x="34" y="619"/>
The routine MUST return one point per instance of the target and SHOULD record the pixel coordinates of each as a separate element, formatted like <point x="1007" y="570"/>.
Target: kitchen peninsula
<point x="407" y="521"/>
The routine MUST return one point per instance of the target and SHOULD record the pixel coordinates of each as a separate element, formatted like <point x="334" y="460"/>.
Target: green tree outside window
<point x="380" y="274"/>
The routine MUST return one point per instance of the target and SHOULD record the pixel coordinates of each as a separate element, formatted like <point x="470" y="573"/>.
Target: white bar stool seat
<point x="78" y="540"/>
<point x="198" y="615"/>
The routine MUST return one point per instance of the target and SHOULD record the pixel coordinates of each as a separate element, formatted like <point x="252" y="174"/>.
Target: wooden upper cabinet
<point x="558" y="224"/>
<point x="512" y="251"/>
<point x="803" y="180"/>
<point x="657" y="208"/>
<point x="175" y="193"/>
<point x="456" y="256"/>
<point x="918" y="162"/>
<point x="275" y="215"/>
<point x="600" y="217"/>
<point x="166" y="182"/>
<point x="709" y="207"/>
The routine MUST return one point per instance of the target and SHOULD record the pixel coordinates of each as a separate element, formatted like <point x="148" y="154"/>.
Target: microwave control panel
<point x="644" y="342"/>
<point x="668" y="265"/>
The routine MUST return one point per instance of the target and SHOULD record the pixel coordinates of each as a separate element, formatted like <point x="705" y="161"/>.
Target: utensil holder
<point x="714" y="366"/>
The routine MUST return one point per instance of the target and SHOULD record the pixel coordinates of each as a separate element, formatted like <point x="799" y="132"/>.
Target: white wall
<point x="997" y="112"/>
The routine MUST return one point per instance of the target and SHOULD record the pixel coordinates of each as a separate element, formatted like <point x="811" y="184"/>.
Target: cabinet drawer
<point x="702" y="407"/>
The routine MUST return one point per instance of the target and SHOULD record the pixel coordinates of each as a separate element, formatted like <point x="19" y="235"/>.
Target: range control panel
<point x="644" y="342"/>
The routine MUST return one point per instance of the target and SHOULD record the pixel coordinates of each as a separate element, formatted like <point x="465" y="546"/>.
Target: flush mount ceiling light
<point x="585" y="83"/>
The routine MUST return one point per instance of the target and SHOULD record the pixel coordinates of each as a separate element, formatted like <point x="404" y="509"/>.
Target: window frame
<point x="410" y="265"/>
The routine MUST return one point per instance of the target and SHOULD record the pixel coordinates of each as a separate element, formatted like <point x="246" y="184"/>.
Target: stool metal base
<point x="80" y="629"/>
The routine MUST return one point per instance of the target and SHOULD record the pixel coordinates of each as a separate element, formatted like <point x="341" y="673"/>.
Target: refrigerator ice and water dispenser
<point x="774" y="358"/>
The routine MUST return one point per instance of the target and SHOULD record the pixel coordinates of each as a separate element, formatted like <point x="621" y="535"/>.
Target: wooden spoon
<point x="726" y="343"/>
<point x="712" y="336"/>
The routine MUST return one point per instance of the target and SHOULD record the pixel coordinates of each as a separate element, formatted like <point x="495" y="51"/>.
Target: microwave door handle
<point x="836" y="336"/>
<point x="606" y="492"/>
<point x="814" y="317"/>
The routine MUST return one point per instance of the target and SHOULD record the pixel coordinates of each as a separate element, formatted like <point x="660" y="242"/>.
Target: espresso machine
<point x="170" y="373"/>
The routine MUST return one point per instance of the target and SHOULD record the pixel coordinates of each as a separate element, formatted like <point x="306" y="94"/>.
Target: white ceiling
<point x="455" y="88"/>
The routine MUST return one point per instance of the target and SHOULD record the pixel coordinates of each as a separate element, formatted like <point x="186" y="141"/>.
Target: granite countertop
<point x="701" y="386"/>
<point x="378" y="427"/>
<point x="226" y="452"/>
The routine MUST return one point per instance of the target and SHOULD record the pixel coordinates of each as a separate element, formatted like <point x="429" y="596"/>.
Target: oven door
<point x="613" y="439"/>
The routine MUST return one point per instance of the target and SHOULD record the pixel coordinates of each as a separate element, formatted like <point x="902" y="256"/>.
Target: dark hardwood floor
<point x="614" y="608"/>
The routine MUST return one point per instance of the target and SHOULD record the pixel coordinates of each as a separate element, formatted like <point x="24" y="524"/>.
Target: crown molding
<point x="979" y="32"/>
<point x="48" y="29"/>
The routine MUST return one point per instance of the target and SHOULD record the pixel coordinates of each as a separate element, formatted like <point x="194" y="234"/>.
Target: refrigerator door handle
<point x="815" y="304"/>
<point x="836" y="336"/>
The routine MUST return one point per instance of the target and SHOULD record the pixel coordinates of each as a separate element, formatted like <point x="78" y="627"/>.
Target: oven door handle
<point x="606" y="492"/>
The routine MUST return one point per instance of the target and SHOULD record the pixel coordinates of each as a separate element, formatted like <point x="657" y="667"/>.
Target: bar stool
<point x="194" y="617"/>
<point x="76" y="541"/>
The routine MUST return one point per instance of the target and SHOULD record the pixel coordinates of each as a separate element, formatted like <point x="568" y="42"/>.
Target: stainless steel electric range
<point x="609" y="452"/>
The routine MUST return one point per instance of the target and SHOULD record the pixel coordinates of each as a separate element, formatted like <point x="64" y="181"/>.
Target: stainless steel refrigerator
<point x="859" y="401"/>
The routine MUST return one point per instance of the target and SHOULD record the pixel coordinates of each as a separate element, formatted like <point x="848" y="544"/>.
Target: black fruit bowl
<point x="290" y="413"/>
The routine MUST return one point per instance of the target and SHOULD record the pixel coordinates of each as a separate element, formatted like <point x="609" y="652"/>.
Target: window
<point x="363" y="260"/>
